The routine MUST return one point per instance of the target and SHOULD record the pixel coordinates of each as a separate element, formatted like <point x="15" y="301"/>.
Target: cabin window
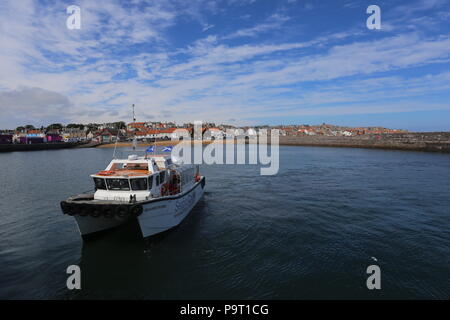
<point x="157" y="179"/>
<point x="162" y="176"/>
<point x="118" y="184"/>
<point x="150" y="182"/>
<point x="99" y="184"/>
<point x="138" y="184"/>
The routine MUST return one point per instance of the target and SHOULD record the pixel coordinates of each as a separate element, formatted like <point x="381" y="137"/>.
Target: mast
<point x="134" y="132"/>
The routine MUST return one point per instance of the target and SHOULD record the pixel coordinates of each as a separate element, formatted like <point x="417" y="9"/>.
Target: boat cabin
<point x="142" y="178"/>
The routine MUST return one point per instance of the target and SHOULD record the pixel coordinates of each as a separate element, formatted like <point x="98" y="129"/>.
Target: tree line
<point x="80" y="126"/>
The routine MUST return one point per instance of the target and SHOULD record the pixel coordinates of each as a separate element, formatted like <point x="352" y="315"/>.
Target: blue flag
<point x="150" y="149"/>
<point x="168" y="149"/>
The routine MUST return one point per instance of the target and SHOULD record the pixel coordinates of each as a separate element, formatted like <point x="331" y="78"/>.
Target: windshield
<point x="139" y="184"/>
<point x="99" y="184"/>
<point x="118" y="184"/>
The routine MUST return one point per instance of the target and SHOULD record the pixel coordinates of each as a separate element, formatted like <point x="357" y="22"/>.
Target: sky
<point x="240" y="62"/>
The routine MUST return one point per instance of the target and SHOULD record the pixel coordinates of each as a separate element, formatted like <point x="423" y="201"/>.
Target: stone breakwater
<point x="415" y="141"/>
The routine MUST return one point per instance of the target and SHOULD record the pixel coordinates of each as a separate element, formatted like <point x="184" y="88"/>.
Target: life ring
<point x="108" y="212"/>
<point x="84" y="210"/>
<point x="96" y="211"/>
<point x="67" y="208"/>
<point x="122" y="211"/>
<point x="106" y="173"/>
<point x="136" y="210"/>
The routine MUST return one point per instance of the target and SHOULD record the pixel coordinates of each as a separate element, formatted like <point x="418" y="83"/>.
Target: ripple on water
<point x="308" y="232"/>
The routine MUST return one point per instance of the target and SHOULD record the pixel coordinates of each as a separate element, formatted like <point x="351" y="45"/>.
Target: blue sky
<point x="244" y="62"/>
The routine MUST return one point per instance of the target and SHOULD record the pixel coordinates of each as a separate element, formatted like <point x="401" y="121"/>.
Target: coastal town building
<point x="161" y="134"/>
<point x="136" y="126"/>
<point x="6" y="138"/>
<point x="107" y="136"/>
<point x="74" y="135"/>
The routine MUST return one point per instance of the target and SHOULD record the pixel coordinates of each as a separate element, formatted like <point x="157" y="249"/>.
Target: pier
<point x="412" y="141"/>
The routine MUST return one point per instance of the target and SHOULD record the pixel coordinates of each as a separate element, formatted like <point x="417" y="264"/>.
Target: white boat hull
<point x="88" y="225"/>
<point x="159" y="216"/>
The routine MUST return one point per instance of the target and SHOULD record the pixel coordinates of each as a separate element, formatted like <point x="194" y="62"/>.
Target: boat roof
<point x="134" y="166"/>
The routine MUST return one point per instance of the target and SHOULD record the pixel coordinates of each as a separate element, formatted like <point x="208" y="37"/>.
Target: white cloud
<point x="206" y="80"/>
<point x="32" y="104"/>
<point x="274" y="22"/>
<point x="207" y="27"/>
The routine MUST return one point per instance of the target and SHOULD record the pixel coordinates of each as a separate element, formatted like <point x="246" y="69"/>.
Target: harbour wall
<point x="37" y="146"/>
<point x="414" y="141"/>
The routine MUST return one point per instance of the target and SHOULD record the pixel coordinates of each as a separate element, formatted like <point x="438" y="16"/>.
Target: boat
<point x="156" y="191"/>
